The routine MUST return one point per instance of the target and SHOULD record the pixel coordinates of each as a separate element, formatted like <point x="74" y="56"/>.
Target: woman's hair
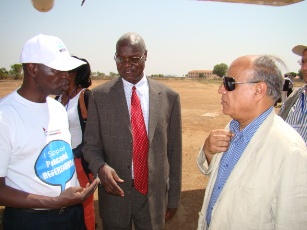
<point x="83" y="74"/>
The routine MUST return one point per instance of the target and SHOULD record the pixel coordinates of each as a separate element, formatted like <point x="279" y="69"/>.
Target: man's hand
<point x="76" y="195"/>
<point x="69" y="197"/>
<point x="109" y="179"/>
<point x="170" y="212"/>
<point x="217" y="141"/>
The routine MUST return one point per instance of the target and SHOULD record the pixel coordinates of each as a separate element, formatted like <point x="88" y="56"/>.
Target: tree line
<point x="15" y="73"/>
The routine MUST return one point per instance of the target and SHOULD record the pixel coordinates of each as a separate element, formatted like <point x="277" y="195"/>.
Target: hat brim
<point x="299" y="49"/>
<point x="65" y="64"/>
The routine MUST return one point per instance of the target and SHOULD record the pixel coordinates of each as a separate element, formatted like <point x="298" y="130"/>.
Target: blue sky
<point x="180" y="35"/>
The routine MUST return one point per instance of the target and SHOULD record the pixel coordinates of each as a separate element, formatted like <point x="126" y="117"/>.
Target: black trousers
<point x="70" y="218"/>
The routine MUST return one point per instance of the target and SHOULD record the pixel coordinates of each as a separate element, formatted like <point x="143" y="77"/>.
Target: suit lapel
<point x="248" y="154"/>
<point x="117" y="93"/>
<point x="154" y="107"/>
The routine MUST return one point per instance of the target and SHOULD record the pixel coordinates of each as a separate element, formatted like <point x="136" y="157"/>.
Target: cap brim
<point x="65" y="64"/>
<point x="299" y="49"/>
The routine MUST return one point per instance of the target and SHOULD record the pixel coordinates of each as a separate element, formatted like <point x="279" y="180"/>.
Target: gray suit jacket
<point x="289" y="103"/>
<point x="108" y="139"/>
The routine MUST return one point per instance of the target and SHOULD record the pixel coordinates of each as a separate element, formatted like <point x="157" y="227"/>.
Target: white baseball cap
<point x="299" y="49"/>
<point x="50" y="51"/>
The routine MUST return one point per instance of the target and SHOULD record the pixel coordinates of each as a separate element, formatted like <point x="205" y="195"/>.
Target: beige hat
<point x="43" y="5"/>
<point x="299" y="49"/>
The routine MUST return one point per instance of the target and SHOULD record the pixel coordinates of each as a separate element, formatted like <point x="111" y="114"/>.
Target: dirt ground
<point x="201" y="112"/>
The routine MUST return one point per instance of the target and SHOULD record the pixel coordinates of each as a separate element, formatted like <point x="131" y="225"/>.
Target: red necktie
<point x="140" y="145"/>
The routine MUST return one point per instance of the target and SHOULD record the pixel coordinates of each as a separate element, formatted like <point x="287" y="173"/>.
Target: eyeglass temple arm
<point x="245" y="82"/>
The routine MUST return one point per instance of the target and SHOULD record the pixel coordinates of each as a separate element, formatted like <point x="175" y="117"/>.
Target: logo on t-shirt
<point x="55" y="164"/>
<point x="52" y="132"/>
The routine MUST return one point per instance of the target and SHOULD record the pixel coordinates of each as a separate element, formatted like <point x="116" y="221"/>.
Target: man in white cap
<point x="38" y="183"/>
<point x="294" y="110"/>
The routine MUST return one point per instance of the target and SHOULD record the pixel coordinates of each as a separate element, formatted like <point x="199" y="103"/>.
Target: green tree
<point x="16" y="70"/>
<point x="111" y="74"/>
<point x="220" y="69"/>
<point x="292" y="74"/>
<point x="3" y="73"/>
<point x="99" y="74"/>
<point x="201" y="75"/>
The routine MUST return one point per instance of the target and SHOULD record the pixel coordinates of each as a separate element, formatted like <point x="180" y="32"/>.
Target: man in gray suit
<point x="109" y="143"/>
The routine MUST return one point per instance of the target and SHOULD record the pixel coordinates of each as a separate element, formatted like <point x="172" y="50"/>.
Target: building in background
<point x="200" y="74"/>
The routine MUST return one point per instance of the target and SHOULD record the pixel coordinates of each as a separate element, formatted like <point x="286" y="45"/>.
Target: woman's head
<point x="82" y="74"/>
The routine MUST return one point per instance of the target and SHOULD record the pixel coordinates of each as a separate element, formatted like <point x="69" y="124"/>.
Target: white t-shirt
<point x="74" y="120"/>
<point x="35" y="150"/>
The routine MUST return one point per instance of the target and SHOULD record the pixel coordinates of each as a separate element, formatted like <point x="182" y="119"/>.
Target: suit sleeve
<point x="175" y="155"/>
<point x="92" y="149"/>
<point x="202" y="162"/>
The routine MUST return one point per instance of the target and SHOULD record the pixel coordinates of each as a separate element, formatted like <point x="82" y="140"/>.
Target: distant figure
<point x="133" y="142"/>
<point x="294" y="110"/>
<point x="286" y="88"/>
<point x="75" y="101"/>
<point x="38" y="183"/>
<point x="258" y="163"/>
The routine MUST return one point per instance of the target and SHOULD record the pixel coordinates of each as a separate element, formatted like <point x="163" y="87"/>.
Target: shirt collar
<point x="138" y="85"/>
<point x="248" y="132"/>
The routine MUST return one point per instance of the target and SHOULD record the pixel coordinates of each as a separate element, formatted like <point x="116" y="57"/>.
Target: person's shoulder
<point x="161" y="86"/>
<point x="297" y="91"/>
<point x="54" y="103"/>
<point x="87" y="92"/>
<point x="286" y="132"/>
<point x="9" y="100"/>
<point x="9" y="106"/>
<point x="105" y="86"/>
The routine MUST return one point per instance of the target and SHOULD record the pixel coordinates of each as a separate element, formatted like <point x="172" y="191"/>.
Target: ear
<point x="31" y="68"/>
<point x="145" y="55"/>
<point x="260" y="90"/>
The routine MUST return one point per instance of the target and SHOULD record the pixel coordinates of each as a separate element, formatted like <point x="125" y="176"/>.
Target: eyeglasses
<point x="133" y="60"/>
<point x="302" y="61"/>
<point x="230" y="83"/>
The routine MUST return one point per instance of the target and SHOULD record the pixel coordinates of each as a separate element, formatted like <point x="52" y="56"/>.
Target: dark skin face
<point x="40" y="81"/>
<point x="131" y="72"/>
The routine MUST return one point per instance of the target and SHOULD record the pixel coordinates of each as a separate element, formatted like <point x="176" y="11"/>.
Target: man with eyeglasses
<point x="131" y="118"/>
<point x="258" y="163"/>
<point x="294" y="109"/>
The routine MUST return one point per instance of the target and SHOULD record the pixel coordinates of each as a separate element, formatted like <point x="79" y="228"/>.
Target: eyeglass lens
<point x="229" y="83"/>
<point x="134" y="60"/>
